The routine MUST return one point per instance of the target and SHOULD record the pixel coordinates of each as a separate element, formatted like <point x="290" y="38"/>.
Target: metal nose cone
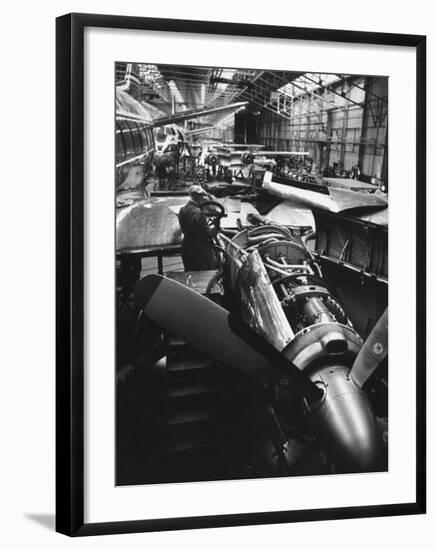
<point x="345" y="424"/>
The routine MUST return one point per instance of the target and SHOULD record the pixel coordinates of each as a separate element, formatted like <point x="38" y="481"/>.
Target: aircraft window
<point x="149" y="137"/>
<point x="139" y="137"/>
<point x="142" y="143"/>
<point x="147" y="133"/>
<point x="160" y="134"/>
<point x="120" y="147"/>
<point x="129" y="141"/>
<point x="132" y="139"/>
<point x="146" y="137"/>
<point x="134" y="134"/>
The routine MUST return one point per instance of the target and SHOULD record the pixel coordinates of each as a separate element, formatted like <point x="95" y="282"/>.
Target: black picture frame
<point x="70" y="273"/>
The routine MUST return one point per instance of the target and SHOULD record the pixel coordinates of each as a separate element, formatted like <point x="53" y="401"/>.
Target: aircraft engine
<point x="247" y="158"/>
<point x="212" y="159"/>
<point x="286" y="300"/>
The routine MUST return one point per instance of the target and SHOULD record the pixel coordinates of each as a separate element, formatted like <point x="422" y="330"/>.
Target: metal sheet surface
<point x="149" y="224"/>
<point x="378" y="218"/>
<point x="337" y="200"/>
<point x="353" y="185"/>
<point x="236" y="210"/>
<point x="290" y="213"/>
<point x="343" y="199"/>
<point x="261" y="308"/>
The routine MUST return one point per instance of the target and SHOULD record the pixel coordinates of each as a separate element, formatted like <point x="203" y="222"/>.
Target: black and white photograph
<point x="217" y="295"/>
<point x="251" y="299"/>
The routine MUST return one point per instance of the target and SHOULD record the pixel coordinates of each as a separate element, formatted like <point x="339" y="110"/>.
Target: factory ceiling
<point x="166" y="90"/>
<point x="175" y="88"/>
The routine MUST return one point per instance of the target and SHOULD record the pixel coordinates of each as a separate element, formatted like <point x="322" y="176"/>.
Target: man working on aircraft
<point x="197" y="247"/>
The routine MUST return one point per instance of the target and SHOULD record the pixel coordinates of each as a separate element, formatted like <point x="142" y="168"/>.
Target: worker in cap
<point x="198" y="251"/>
<point x="197" y="191"/>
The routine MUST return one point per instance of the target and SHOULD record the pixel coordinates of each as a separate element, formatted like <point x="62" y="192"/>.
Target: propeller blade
<point x="211" y="329"/>
<point x="374" y="350"/>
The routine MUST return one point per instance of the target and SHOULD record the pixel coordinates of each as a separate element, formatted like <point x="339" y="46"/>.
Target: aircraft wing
<point x="282" y="153"/>
<point x="291" y="214"/>
<point x="128" y="108"/>
<point x="324" y="198"/>
<point x="347" y="183"/>
<point x="188" y="115"/>
<point x="236" y="212"/>
<point x="149" y="225"/>
<point x="243" y="145"/>
<point x="199" y="131"/>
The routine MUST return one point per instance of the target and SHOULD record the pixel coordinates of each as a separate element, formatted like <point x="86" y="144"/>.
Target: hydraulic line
<point x="288" y="266"/>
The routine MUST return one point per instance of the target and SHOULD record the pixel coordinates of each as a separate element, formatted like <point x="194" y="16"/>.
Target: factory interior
<point x="251" y="213"/>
